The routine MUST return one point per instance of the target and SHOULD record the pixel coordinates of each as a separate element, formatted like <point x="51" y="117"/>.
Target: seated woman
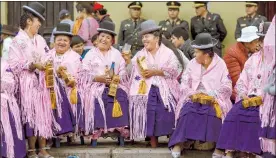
<point x="104" y="88"/>
<point x="153" y="86"/>
<point x="12" y="137"/>
<point x="205" y="97"/>
<point x="65" y="62"/>
<point x="241" y="129"/>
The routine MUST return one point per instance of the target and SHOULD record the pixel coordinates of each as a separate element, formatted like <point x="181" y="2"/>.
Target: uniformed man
<point x="251" y="19"/>
<point x="130" y="28"/>
<point x="173" y="20"/>
<point x="204" y="21"/>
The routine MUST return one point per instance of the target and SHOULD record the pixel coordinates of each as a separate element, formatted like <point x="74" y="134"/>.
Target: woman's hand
<point x="61" y="68"/>
<point x="148" y="73"/>
<point x="40" y="66"/>
<point x="244" y="97"/>
<point x="103" y="79"/>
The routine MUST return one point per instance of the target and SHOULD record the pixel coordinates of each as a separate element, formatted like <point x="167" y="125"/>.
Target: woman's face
<point x="78" y="48"/>
<point x="150" y="41"/>
<point x="33" y="25"/>
<point x="104" y="41"/>
<point x="200" y="56"/>
<point x="62" y="44"/>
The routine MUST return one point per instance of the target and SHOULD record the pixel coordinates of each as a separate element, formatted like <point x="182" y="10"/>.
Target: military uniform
<point x="168" y="25"/>
<point x="213" y="24"/>
<point x="129" y="32"/>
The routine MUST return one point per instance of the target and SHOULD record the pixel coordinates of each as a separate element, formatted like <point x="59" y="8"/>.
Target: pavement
<point x="108" y="148"/>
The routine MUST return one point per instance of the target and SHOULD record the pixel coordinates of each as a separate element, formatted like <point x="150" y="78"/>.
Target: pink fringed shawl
<point x="267" y="112"/>
<point x="168" y="86"/>
<point x="215" y="79"/>
<point x="9" y="105"/>
<point x="34" y="96"/>
<point x="94" y="64"/>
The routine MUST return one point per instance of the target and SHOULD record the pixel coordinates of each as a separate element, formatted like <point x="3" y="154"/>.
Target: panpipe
<point x="49" y="78"/>
<point x="142" y="66"/>
<point x="251" y="102"/>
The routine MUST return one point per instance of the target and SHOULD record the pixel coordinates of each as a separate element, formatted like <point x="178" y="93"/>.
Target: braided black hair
<point x="209" y="51"/>
<point x="102" y="11"/>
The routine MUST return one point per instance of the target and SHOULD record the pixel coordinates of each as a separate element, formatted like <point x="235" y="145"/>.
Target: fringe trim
<point x="268" y="145"/>
<point x="138" y="116"/>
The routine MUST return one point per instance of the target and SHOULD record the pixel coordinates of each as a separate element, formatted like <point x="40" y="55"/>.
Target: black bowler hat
<point x="63" y="29"/>
<point x="135" y="4"/>
<point x="107" y="27"/>
<point x="9" y="30"/>
<point x="204" y="41"/>
<point x="173" y="5"/>
<point x="76" y="40"/>
<point x="263" y="27"/>
<point x="200" y="4"/>
<point x="36" y="8"/>
<point x="251" y="3"/>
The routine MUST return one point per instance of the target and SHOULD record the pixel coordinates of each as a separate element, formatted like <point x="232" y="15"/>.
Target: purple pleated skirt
<point x="112" y="122"/>
<point x="19" y="145"/>
<point x="240" y="130"/>
<point x="196" y="122"/>
<point x="160" y="121"/>
<point x="67" y="121"/>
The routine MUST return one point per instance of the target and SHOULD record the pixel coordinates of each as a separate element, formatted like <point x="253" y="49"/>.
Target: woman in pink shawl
<point x="153" y="86"/>
<point x="25" y="55"/>
<point x="104" y="88"/>
<point x="12" y="137"/>
<point x="241" y="129"/>
<point x="268" y="110"/>
<point x="66" y="63"/>
<point x="205" y="98"/>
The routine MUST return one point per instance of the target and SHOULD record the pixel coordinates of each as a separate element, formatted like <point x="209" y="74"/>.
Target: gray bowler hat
<point x="148" y="26"/>
<point x="63" y="29"/>
<point x="108" y="27"/>
<point x="36" y="8"/>
<point x="204" y="41"/>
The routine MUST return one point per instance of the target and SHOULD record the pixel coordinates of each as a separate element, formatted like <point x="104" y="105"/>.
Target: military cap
<point x="135" y="4"/>
<point x="200" y="4"/>
<point x="173" y="5"/>
<point x="251" y="3"/>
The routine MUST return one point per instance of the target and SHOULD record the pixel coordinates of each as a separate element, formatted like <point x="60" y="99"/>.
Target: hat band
<point x="249" y="3"/>
<point x="199" y="5"/>
<point x="173" y="7"/>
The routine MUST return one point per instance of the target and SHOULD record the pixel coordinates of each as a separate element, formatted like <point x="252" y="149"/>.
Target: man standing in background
<point x="173" y="20"/>
<point x="251" y="19"/>
<point x="207" y="22"/>
<point x="129" y="28"/>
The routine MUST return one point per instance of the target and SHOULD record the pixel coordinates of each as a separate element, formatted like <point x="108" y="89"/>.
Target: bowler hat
<point x="204" y="41"/>
<point x="76" y="40"/>
<point x="36" y="8"/>
<point x="63" y="29"/>
<point x="9" y="30"/>
<point x="148" y="26"/>
<point x="263" y="27"/>
<point x="108" y="27"/>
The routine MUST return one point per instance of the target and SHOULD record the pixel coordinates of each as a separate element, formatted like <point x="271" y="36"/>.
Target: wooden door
<point x="268" y="9"/>
<point x="51" y="14"/>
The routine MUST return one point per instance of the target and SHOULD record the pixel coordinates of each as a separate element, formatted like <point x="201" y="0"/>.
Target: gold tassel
<point x="73" y="96"/>
<point x="117" y="110"/>
<point x="53" y="98"/>
<point x="142" y="87"/>
<point x="218" y="110"/>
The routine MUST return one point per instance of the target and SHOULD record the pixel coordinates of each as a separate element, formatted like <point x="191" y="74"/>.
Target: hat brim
<point x="63" y="33"/>
<point x="251" y="4"/>
<point x="198" y="5"/>
<point x="213" y="44"/>
<point x="8" y="32"/>
<point x="250" y="39"/>
<point x="173" y="7"/>
<point x="33" y="11"/>
<point x="149" y="30"/>
<point x="135" y="6"/>
<point x="107" y="31"/>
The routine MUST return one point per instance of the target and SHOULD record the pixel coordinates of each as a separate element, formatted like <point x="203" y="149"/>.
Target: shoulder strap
<point x="88" y="22"/>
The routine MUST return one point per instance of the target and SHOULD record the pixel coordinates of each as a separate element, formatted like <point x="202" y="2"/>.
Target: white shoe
<point x="176" y="154"/>
<point x="216" y="155"/>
